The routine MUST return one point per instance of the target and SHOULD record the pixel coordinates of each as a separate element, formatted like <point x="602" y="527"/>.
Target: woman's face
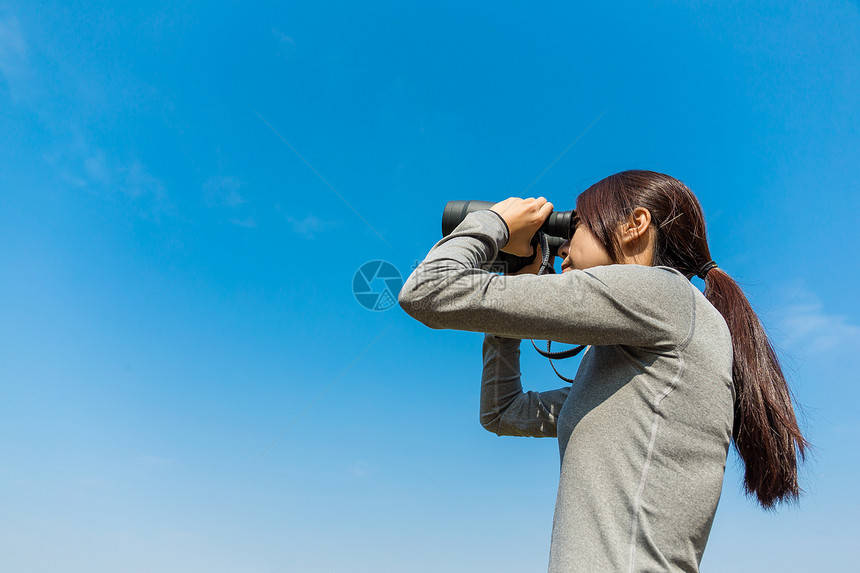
<point x="583" y="251"/>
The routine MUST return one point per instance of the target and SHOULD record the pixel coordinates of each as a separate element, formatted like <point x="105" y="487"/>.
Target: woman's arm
<point x="614" y="304"/>
<point x="505" y="409"/>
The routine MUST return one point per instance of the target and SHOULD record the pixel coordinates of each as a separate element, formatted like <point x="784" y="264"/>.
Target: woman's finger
<point x="545" y="210"/>
<point x="502" y="206"/>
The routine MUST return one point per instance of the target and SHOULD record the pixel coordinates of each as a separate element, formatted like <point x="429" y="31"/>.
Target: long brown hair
<point x="765" y="432"/>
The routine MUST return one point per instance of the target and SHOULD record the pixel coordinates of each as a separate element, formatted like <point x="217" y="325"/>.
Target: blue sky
<point x="187" y="382"/>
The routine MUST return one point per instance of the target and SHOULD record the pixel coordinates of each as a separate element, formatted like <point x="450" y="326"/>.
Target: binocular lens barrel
<point x="557" y="226"/>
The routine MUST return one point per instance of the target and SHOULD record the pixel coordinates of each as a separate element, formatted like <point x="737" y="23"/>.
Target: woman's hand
<point x="524" y="217"/>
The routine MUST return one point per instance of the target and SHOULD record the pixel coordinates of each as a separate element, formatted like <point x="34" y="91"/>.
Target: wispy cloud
<point x="806" y="322"/>
<point x="283" y="39"/>
<point x="139" y="182"/>
<point x="95" y="166"/>
<point x="223" y="191"/>
<point x="13" y="53"/>
<point x="86" y="166"/>
<point x="248" y="222"/>
<point x="311" y="225"/>
<point x="36" y="81"/>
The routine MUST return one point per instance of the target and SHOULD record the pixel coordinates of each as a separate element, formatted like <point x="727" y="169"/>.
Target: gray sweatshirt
<point x="644" y="429"/>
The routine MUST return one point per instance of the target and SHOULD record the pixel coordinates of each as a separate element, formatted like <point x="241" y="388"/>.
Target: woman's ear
<point x="636" y="226"/>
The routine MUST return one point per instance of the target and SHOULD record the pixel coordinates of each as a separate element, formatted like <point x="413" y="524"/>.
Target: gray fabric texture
<point x="643" y="431"/>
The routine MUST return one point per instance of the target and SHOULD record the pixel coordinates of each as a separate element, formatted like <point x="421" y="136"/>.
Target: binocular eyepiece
<point x="558" y="226"/>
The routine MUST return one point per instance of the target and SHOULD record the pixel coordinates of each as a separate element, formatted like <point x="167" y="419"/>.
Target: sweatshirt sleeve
<point x="505" y="409"/>
<point x="614" y="304"/>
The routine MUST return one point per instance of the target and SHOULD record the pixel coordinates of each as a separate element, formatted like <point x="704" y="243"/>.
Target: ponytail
<point x="765" y="430"/>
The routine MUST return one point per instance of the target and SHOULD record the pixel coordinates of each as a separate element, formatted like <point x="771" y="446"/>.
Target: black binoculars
<point x="558" y="228"/>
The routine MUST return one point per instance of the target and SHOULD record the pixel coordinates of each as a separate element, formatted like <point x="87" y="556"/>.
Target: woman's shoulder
<point x="662" y="298"/>
<point x="641" y="278"/>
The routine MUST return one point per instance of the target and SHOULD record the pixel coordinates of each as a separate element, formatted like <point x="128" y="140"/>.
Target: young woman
<point x="670" y="377"/>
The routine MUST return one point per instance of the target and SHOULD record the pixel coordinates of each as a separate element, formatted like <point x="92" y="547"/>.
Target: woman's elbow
<point x="407" y="299"/>
<point x="421" y="308"/>
<point x="492" y="422"/>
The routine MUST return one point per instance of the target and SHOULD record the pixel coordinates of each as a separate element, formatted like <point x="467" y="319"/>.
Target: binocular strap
<point x="544" y="268"/>
<point x="558" y="355"/>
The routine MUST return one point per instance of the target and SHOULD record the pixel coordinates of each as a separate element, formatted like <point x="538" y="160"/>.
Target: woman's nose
<point x="564" y="249"/>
